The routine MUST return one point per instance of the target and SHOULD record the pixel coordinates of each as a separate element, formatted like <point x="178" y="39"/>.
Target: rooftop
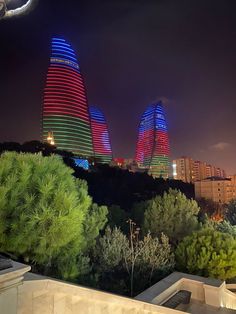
<point x="214" y="178"/>
<point x="161" y="286"/>
<point x="23" y="292"/>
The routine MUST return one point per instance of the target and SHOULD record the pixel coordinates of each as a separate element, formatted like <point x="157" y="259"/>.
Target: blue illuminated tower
<point x="100" y="135"/>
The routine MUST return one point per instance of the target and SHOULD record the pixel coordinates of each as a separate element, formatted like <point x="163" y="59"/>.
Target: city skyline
<point x="131" y="55"/>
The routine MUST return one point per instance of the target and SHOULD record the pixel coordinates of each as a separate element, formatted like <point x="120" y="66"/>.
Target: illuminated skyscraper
<point x="65" y="107"/>
<point x="152" y="151"/>
<point x="100" y="134"/>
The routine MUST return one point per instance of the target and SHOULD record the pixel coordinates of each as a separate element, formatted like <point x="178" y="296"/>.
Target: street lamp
<point x="5" y="12"/>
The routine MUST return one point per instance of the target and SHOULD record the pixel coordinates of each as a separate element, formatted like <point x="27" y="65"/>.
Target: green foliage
<point x="208" y="253"/>
<point x="108" y="258"/>
<point x="226" y="227"/>
<point x="154" y="254"/>
<point x="138" y="211"/>
<point x="208" y="207"/>
<point x="42" y="212"/>
<point x="95" y="221"/>
<point x="116" y="257"/>
<point x="154" y="261"/>
<point x="117" y="217"/>
<point x="231" y="212"/>
<point x="111" y="249"/>
<point x="173" y="214"/>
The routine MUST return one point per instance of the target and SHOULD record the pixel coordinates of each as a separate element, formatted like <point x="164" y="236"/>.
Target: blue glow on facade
<point x="160" y="120"/>
<point x="96" y="114"/>
<point x="101" y="138"/>
<point x="62" y="46"/>
<point x="82" y="163"/>
<point x="63" y="54"/>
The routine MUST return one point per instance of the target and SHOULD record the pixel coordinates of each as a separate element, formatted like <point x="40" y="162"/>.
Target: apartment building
<point x="219" y="190"/>
<point x="189" y="170"/>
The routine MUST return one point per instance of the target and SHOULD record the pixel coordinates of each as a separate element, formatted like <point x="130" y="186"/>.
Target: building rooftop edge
<point x="152" y="292"/>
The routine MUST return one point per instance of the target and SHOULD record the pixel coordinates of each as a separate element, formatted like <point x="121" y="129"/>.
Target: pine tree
<point x="172" y="214"/>
<point x="42" y="212"/>
<point x="208" y="253"/>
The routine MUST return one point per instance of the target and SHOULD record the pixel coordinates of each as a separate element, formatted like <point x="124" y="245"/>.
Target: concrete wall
<point x="10" y="280"/>
<point x="196" y="288"/>
<point x="22" y="293"/>
<point x="55" y="297"/>
<point x="205" y="290"/>
<point x="167" y="293"/>
<point x="229" y="298"/>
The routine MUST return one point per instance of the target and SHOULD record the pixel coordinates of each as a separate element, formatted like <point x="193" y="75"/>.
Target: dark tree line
<point x="108" y="185"/>
<point x="33" y="147"/>
<point x="114" y="186"/>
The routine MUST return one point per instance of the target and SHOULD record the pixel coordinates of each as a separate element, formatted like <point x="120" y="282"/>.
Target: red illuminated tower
<point x="65" y="107"/>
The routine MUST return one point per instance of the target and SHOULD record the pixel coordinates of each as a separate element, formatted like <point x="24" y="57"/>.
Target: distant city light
<point x="174" y="170"/>
<point x="83" y="163"/>
<point x="50" y="138"/>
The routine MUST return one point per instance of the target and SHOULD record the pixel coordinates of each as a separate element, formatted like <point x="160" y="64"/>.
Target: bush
<point x="131" y="261"/>
<point x="172" y="214"/>
<point x="208" y="253"/>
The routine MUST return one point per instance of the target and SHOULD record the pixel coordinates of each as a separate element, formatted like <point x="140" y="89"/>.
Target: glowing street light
<point x="21" y="9"/>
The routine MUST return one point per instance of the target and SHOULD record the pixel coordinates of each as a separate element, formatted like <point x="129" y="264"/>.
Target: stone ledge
<point x="175" y="279"/>
<point x="12" y="276"/>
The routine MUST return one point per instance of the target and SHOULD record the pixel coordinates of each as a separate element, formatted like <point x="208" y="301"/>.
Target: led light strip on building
<point x="153" y="149"/>
<point x="65" y="106"/>
<point x="100" y="135"/>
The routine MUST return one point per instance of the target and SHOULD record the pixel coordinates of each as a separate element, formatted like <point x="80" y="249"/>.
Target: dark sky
<point x="131" y="53"/>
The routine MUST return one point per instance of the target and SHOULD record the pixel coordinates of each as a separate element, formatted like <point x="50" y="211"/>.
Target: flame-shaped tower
<point x="100" y="134"/>
<point x="153" y="149"/>
<point x="65" y="107"/>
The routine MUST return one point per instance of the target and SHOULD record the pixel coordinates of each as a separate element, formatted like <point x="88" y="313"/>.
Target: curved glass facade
<point x="65" y="106"/>
<point x="153" y="149"/>
<point x="100" y="135"/>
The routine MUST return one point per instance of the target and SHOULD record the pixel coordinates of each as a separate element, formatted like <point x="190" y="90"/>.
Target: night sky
<point x="131" y="53"/>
